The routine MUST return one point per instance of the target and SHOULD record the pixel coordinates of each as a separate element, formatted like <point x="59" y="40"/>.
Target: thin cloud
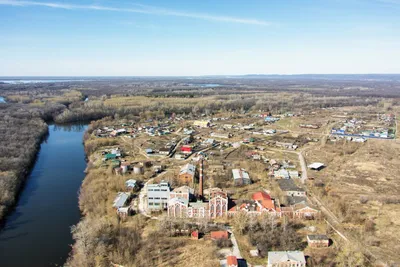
<point x="142" y="9"/>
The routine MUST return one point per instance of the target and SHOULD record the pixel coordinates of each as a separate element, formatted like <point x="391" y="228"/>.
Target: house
<point x="216" y="235"/>
<point x="164" y="150"/>
<point x="290" y="146"/>
<point x="286" y="259"/>
<point x="317" y="241"/>
<point x="316" y="166"/>
<point x="109" y="156"/>
<point x="186" y="149"/>
<point x="179" y="156"/>
<point x="270" y="131"/>
<point x="281" y="174"/>
<point x="131" y="184"/>
<point x="149" y="151"/>
<point x="231" y="261"/>
<point x="121" y="199"/>
<point x="187" y="173"/>
<point x="202" y="124"/>
<point x="221" y="135"/>
<point x="290" y="188"/>
<point x="240" y="177"/>
<point x="261" y="203"/>
<point x="117" y="152"/>
<point x="158" y="196"/>
<point x="195" y="235"/>
<point x="209" y="141"/>
<point x="303" y="210"/>
<point x="271" y="119"/>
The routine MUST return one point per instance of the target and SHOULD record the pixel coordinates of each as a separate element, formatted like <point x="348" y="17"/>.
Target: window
<point x="156" y="204"/>
<point x="150" y="203"/>
<point x="151" y="198"/>
<point x="157" y="190"/>
<point x="165" y="190"/>
<point x="157" y="198"/>
<point x="164" y="198"/>
<point x="149" y="189"/>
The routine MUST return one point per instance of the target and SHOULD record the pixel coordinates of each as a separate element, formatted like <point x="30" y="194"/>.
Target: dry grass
<point x="369" y="171"/>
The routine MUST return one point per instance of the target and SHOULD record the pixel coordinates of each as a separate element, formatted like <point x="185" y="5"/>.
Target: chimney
<point x="201" y="179"/>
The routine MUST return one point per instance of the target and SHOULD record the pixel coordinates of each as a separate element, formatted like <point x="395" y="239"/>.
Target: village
<point x="226" y="171"/>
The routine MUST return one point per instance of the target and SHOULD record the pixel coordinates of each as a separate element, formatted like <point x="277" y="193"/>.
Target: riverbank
<point x="19" y="145"/>
<point x="102" y="238"/>
<point x="47" y="205"/>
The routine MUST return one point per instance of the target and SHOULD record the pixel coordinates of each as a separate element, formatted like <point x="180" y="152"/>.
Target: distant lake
<point x="205" y="84"/>
<point x="2" y="100"/>
<point x="40" y="81"/>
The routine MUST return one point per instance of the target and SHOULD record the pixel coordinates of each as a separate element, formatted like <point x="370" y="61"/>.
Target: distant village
<point x="216" y="168"/>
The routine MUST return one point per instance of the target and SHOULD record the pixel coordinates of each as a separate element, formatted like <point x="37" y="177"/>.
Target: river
<point x="37" y="232"/>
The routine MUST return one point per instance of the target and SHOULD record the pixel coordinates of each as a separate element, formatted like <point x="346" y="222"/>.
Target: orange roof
<point x="232" y="261"/>
<point x="219" y="235"/>
<point x="260" y="196"/>
<point x="267" y="204"/>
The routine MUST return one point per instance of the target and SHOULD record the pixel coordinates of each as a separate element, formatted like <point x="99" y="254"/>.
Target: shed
<point x="318" y="241"/>
<point x="316" y="166"/>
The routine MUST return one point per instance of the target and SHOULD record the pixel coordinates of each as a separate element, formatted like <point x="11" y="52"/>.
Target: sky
<point x="204" y="37"/>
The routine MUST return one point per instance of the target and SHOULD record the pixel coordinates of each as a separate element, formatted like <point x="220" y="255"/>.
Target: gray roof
<point x="121" y="199"/>
<point x="240" y="174"/>
<point x="285" y="256"/>
<point x="292" y="200"/>
<point x="189" y="169"/>
<point x="289" y="185"/>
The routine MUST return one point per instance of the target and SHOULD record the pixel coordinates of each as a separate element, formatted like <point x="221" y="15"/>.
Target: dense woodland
<point x="21" y="130"/>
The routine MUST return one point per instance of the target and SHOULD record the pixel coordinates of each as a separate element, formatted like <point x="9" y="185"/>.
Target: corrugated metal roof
<point x="121" y="199"/>
<point x="275" y="257"/>
<point x="240" y="174"/>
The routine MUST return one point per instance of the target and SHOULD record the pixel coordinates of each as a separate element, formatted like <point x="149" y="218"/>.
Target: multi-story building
<point x="217" y="206"/>
<point x="158" y="196"/>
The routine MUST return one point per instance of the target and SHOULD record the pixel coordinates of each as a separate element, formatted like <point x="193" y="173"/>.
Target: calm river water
<point x="37" y="232"/>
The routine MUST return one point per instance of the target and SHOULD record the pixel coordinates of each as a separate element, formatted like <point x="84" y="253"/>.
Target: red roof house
<point x="231" y="261"/>
<point x="186" y="149"/>
<point x="261" y="195"/>
<point x="215" y="235"/>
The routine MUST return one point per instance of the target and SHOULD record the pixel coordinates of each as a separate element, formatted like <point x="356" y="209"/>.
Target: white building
<point x="286" y="259"/>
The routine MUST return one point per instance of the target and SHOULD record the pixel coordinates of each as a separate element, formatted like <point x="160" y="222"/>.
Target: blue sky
<point x="207" y="37"/>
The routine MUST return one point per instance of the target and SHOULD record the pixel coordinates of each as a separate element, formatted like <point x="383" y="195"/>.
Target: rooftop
<point x="317" y="237"/>
<point x="189" y="169"/>
<point x="289" y="185"/>
<point x="275" y="257"/>
<point x="240" y="174"/>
